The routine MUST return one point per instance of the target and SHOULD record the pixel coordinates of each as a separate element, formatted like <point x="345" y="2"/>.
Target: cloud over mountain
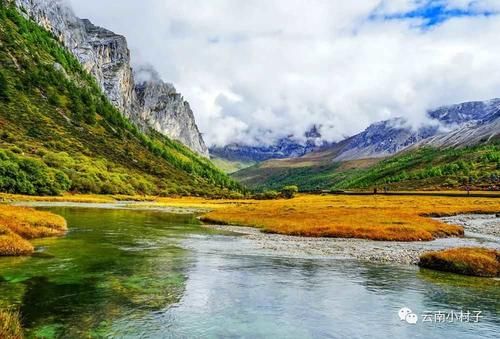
<point x="255" y="71"/>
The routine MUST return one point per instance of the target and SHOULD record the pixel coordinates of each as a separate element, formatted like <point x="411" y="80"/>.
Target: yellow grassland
<point x="19" y="224"/>
<point x="474" y="261"/>
<point x="376" y="217"/>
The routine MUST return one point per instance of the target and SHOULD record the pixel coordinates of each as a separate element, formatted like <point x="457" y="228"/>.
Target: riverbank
<point x="407" y="253"/>
<point x="474" y="261"/>
<point x="18" y="225"/>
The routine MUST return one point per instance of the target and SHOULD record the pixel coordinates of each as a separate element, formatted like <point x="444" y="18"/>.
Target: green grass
<point x="230" y="166"/>
<point x="425" y="168"/>
<point x="58" y="131"/>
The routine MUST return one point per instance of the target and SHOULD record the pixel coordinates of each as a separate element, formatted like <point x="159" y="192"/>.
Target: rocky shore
<point x="480" y="230"/>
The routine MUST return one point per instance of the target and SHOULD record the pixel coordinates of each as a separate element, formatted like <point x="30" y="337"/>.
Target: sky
<point x="255" y="71"/>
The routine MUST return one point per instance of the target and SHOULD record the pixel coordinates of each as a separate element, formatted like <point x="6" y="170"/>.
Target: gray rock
<point x="106" y="56"/>
<point x="165" y="110"/>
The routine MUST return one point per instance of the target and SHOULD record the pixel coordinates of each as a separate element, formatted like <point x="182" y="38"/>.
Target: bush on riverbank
<point x="18" y="224"/>
<point x="10" y="325"/>
<point x="481" y="262"/>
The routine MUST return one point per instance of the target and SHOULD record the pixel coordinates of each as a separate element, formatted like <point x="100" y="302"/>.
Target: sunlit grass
<point x="17" y="224"/>
<point x="474" y="261"/>
<point x="83" y="198"/>
<point x="10" y="325"/>
<point x="377" y="217"/>
<point x="393" y="218"/>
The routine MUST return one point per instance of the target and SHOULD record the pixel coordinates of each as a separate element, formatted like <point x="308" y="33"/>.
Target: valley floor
<point x="378" y="228"/>
<point x="375" y="217"/>
<point x="481" y="230"/>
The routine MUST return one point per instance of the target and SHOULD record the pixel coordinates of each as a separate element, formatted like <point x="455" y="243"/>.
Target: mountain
<point x="392" y="136"/>
<point x="287" y="147"/>
<point x="390" y="152"/>
<point x="60" y="132"/>
<point x="378" y="140"/>
<point x="150" y="103"/>
<point x="163" y="109"/>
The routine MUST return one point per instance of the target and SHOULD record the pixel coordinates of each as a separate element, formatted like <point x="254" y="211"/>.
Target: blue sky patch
<point x="433" y="13"/>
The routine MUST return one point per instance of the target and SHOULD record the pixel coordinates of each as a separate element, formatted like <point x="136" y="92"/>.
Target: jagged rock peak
<point x="106" y="56"/>
<point x="165" y="110"/>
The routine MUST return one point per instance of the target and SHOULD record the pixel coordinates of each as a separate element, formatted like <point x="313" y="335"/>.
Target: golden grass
<point x="88" y="198"/>
<point x="392" y="218"/>
<point x="481" y="262"/>
<point x="20" y="223"/>
<point x="10" y="325"/>
<point x="377" y="217"/>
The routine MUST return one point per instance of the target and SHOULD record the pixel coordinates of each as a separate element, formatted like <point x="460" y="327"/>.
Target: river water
<point x="149" y="274"/>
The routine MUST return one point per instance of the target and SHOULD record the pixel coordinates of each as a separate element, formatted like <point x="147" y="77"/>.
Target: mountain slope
<point x="148" y="102"/>
<point x="423" y="168"/>
<point x="358" y="162"/>
<point x="59" y="132"/>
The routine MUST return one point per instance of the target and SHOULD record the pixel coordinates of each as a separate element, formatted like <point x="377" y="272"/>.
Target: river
<point x="126" y="273"/>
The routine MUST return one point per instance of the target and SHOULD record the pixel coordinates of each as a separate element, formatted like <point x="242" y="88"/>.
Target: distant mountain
<point x="429" y="157"/>
<point x="389" y="137"/>
<point x="287" y="147"/>
<point x="380" y="139"/>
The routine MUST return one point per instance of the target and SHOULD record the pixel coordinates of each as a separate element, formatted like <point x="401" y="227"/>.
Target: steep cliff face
<point x="106" y="56"/>
<point x="165" y="110"/>
<point x="112" y="66"/>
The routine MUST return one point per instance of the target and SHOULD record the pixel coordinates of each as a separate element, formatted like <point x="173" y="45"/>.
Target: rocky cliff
<point x="165" y="110"/>
<point x="150" y="103"/>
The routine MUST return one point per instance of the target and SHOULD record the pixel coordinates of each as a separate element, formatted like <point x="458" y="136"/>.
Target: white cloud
<point x="258" y="70"/>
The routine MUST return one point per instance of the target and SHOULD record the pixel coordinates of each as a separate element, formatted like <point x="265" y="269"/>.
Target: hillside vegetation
<point x="425" y="168"/>
<point x="58" y="132"/>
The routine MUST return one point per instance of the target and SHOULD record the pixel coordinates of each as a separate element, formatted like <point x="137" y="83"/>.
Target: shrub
<point x="24" y="175"/>
<point x="266" y="195"/>
<point x="288" y="192"/>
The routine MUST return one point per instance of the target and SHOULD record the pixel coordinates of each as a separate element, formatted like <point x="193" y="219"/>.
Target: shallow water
<point x="149" y="274"/>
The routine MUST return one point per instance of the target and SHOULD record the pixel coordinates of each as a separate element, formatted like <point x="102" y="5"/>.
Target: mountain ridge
<point x="382" y="138"/>
<point x="106" y="56"/>
<point x="372" y="156"/>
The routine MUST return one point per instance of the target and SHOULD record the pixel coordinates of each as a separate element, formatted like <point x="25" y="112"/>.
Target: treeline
<point x="477" y="166"/>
